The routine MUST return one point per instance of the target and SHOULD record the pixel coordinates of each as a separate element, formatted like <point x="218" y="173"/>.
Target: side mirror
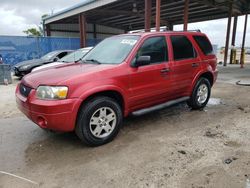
<point x="55" y="59"/>
<point x="141" y="61"/>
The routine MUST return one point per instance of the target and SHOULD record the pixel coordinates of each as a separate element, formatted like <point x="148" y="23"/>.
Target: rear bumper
<point x="215" y="73"/>
<point x="57" y="115"/>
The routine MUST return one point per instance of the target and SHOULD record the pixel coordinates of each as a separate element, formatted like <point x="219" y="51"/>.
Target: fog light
<point x="42" y="122"/>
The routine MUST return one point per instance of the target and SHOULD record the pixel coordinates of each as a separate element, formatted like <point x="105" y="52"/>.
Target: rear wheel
<point x="99" y="121"/>
<point x="200" y="95"/>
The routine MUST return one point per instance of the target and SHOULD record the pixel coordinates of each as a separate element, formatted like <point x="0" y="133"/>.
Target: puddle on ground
<point x="214" y="101"/>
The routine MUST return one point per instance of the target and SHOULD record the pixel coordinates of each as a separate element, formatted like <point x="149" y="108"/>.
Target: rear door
<point x="207" y="50"/>
<point x="184" y="65"/>
<point x="149" y="84"/>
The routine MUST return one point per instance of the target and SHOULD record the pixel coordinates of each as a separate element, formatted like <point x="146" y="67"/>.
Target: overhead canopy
<point x="129" y="14"/>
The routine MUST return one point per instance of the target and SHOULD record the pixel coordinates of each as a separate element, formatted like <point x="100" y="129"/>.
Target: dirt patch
<point x="8" y="107"/>
<point x="175" y="147"/>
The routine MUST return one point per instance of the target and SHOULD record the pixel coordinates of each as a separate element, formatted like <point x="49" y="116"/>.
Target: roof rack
<point x="165" y="30"/>
<point x="137" y="31"/>
<point x="194" y="30"/>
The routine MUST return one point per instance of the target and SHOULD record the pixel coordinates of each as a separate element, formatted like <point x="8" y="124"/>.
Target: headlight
<point x="52" y="92"/>
<point x="24" y="67"/>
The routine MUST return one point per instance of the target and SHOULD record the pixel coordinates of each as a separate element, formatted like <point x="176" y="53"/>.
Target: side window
<point x="204" y="44"/>
<point x="182" y="48"/>
<point x="156" y="48"/>
<point x="61" y="55"/>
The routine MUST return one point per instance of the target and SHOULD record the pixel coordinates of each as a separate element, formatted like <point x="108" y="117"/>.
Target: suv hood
<point x="56" y="75"/>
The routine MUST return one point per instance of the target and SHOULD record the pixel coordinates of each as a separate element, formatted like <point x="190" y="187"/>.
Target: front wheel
<point x="200" y="95"/>
<point x="99" y="121"/>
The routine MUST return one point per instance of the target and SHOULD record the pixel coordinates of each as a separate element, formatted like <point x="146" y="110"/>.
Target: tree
<point x="33" y="32"/>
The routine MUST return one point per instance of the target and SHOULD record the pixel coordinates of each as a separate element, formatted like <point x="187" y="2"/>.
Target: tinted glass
<point x="74" y="56"/>
<point x="112" y="50"/>
<point x="182" y="48"/>
<point x="62" y="55"/>
<point x="48" y="56"/>
<point x="156" y="48"/>
<point x="204" y="44"/>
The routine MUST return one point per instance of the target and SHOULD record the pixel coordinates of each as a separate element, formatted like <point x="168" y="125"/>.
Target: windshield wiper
<point x="93" y="60"/>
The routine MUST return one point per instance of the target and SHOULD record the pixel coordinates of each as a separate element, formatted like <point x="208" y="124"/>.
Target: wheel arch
<point x="208" y="75"/>
<point x="114" y="94"/>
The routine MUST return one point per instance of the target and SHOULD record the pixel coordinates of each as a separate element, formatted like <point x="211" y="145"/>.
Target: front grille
<point x="24" y="90"/>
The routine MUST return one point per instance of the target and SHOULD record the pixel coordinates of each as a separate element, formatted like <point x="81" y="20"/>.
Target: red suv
<point x="122" y="75"/>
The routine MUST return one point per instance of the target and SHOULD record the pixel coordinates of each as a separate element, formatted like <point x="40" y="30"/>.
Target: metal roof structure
<point x="129" y="14"/>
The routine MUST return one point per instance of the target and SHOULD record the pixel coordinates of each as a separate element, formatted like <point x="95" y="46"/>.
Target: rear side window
<point x="62" y="55"/>
<point x="182" y="48"/>
<point x="204" y="44"/>
<point x="156" y="48"/>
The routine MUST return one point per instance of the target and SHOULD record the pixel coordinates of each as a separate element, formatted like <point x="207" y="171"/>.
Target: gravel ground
<point x="174" y="147"/>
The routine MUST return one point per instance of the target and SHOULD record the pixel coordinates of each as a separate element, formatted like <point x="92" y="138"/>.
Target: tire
<point x="99" y="121"/>
<point x="200" y="95"/>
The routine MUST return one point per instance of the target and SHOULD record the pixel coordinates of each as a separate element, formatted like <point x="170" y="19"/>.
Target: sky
<point x="19" y="15"/>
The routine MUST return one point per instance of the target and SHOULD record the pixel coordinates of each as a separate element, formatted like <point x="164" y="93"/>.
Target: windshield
<point x="74" y="56"/>
<point x="112" y="50"/>
<point x="48" y="56"/>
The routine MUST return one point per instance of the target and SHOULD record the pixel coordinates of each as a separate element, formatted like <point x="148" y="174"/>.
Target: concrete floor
<point x="174" y="147"/>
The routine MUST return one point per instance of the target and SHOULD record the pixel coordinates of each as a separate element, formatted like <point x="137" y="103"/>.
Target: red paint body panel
<point x="139" y="87"/>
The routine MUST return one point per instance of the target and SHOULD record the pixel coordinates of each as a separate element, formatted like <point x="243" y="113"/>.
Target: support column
<point x="158" y="15"/>
<point x="243" y="43"/>
<point x="94" y="31"/>
<point x="82" y="29"/>
<point x="148" y="10"/>
<point x="170" y="27"/>
<point x="48" y="33"/>
<point x="233" y="38"/>
<point x="185" y="26"/>
<point x="228" y="34"/>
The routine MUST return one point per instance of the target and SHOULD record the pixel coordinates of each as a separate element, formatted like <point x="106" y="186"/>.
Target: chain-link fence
<point x="15" y="49"/>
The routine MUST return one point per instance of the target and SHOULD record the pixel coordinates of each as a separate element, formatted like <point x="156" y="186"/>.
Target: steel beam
<point x="228" y="34"/>
<point x="185" y="26"/>
<point x="176" y="15"/>
<point x="198" y="18"/>
<point x="94" y="31"/>
<point x="48" y="33"/>
<point x="222" y="6"/>
<point x="233" y="38"/>
<point x="82" y="29"/>
<point x="158" y="15"/>
<point x="170" y="27"/>
<point x="243" y="43"/>
<point x="148" y="12"/>
<point x="234" y="30"/>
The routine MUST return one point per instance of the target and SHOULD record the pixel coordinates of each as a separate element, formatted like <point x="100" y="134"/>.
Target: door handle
<point x="195" y="64"/>
<point x="165" y="70"/>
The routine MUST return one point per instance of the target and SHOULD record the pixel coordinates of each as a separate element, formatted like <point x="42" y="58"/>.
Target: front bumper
<point x="21" y="73"/>
<point x="18" y="73"/>
<point x="57" y="115"/>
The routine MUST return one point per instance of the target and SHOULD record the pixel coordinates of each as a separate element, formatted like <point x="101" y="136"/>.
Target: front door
<point x="149" y="84"/>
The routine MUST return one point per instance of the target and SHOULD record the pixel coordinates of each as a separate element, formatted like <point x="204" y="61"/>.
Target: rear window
<point x="204" y="44"/>
<point x="182" y="48"/>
